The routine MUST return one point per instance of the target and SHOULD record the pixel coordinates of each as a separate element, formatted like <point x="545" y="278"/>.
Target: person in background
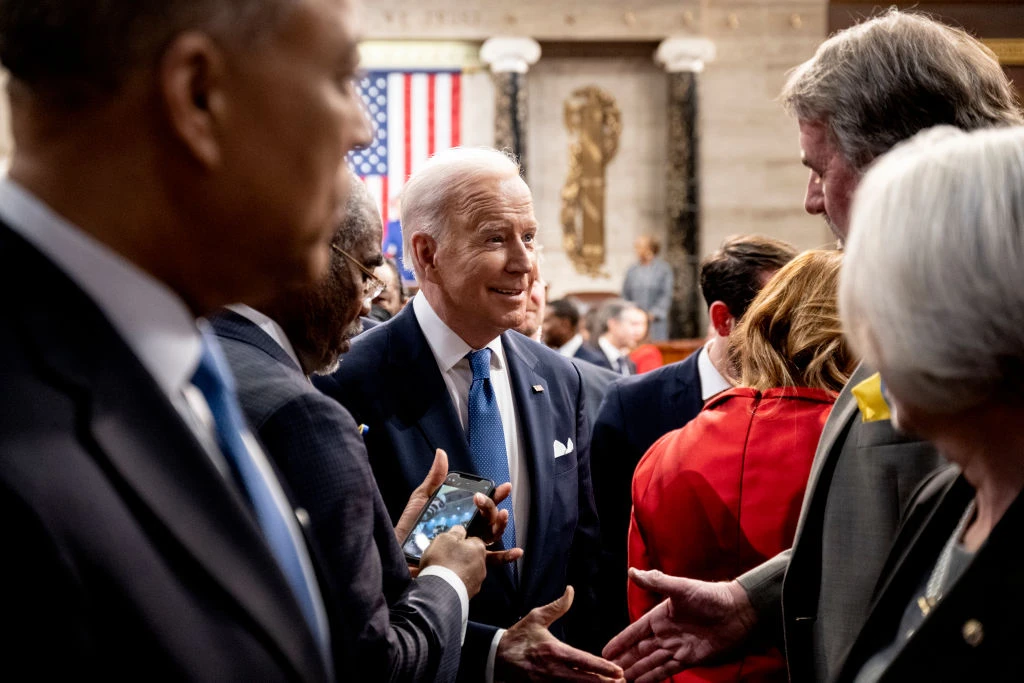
<point x="169" y="158"/>
<point x="925" y="291"/>
<point x="646" y="356"/>
<point x="623" y="325"/>
<point x="737" y="471"/>
<point x="649" y="283"/>
<point x="561" y="331"/>
<point x="596" y="380"/>
<point x="535" y="310"/>
<point x="637" y="411"/>
<point x="815" y="597"/>
<point x="389" y="302"/>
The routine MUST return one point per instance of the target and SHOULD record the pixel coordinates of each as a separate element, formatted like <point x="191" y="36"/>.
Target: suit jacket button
<point x="973" y="632"/>
<point x="302" y="516"/>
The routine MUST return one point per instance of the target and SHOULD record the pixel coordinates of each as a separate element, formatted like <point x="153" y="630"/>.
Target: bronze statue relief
<point x="593" y="117"/>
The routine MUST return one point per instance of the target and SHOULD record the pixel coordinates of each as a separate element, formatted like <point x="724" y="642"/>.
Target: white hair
<point x="443" y="188"/>
<point x="932" y="291"/>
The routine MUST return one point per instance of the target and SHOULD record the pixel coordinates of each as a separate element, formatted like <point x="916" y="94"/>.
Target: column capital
<point x="682" y="54"/>
<point x="510" y="54"/>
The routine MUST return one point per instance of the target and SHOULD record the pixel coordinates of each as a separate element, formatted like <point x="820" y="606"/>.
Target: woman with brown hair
<point x="723" y="493"/>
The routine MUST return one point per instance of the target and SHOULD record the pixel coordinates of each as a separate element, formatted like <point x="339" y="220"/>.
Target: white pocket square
<point x="563" y="448"/>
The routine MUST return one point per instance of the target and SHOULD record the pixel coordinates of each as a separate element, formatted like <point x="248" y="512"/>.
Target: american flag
<point x="414" y="114"/>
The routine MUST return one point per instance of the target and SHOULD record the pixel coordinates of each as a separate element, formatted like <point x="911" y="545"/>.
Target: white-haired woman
<point x="933" y="296"/>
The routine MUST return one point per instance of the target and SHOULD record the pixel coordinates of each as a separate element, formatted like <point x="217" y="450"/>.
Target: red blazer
<point x="721" y="495"/>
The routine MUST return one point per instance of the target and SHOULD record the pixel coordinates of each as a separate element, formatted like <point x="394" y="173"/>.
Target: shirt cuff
<point x="492" y="655"/>
<point x="455" y="582"/>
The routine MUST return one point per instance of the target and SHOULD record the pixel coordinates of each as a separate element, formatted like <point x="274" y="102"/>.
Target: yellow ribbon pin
<point x="870" y="400"/>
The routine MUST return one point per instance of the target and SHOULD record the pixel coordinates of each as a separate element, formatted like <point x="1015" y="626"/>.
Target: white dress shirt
<point x="711" y="380"/>
<point x="450" y="354"/>
<point x="569" y="348"/>
<point x="155" y="324"/>
<point x="612" y="353"/>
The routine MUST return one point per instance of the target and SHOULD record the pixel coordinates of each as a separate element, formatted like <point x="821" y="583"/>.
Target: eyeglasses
<point x="373" y="286"/>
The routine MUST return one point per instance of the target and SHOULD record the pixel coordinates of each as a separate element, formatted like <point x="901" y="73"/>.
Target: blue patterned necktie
<point x="214" y="380"/>
<point x="623" y="366"/>
<point x="486" y="436"/>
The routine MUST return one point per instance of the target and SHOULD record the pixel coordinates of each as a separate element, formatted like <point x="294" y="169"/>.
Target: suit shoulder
<point x="644" y="384"/>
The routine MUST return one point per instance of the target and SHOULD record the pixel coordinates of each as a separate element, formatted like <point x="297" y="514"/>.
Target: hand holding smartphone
<point x="450" y="505"/>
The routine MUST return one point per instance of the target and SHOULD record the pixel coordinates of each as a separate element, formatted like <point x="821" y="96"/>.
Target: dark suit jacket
<point x="390" y="381"/>
<point x="127" y="554"/>
<point x="636" y="412"/>
<point x="316" y="445"/>
<point x="596" y="381"/>
<point x="975" y="632"/>
<point x="592" y="355"/>
<point x="861" y="480"/>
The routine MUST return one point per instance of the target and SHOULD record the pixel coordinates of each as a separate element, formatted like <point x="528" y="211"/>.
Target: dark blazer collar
<point x="148" y="448"/>
<point x="231" y="325"/>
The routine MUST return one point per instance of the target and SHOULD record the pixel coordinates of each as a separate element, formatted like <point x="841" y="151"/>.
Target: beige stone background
<point x="750" y="176"/>
<point x="751" y="179"/>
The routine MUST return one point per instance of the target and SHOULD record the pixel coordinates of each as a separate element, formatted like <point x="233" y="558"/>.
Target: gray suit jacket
<point x="384" y="625"/>
<point x="862" y="478"/>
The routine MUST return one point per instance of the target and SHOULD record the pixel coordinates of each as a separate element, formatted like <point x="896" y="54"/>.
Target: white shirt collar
<point x="448" y="348"/>
<point x="711" y="380"/>
<point x="153" y="320"/>
<point x="610" y="351"/>
<point x="569" y="348"/>
<point x="269" y="326"/>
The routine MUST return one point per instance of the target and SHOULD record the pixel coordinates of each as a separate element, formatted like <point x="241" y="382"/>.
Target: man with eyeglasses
<point x="385" y="625"/>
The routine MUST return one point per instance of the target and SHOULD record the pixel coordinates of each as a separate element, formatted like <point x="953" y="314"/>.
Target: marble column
<point x="683" y="59"/>
<point x="510" y="58"/>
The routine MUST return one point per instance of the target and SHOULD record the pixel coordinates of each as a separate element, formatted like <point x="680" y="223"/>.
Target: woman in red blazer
<point x="723" y="493"/>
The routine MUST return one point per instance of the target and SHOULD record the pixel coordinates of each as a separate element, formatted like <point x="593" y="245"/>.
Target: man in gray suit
<point x="816" y="595"/>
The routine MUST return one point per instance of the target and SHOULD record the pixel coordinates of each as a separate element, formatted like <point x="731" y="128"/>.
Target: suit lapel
<point x="427" y="404"/>
<point x="146" y="447"/>
<point x="844" y="410"/>
<point x="229" y="324"/>
<point x="537" y="437"/>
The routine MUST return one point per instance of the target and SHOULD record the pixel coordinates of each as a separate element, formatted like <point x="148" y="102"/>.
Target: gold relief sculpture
<point x="593" y="117"/>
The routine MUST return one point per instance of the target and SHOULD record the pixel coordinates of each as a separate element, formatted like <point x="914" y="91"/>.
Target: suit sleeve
<point x="763" y="585"/>
<point x="417" y="637"/>
<point x="583" y="557"/>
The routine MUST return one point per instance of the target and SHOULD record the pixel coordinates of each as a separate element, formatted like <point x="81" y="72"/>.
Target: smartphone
<point x="450" y="505"/>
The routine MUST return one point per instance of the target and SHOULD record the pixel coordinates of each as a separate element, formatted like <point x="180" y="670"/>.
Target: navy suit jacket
<point x="384" y="625"/>
<point x="390" y="381"/>
<point x="592" y="355"/>
<point x="636" y="412"/>
<point x="127" y="554"/>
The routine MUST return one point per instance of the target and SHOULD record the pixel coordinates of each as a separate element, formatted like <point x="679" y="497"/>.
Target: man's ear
<point x="424" y="254"/>
<point x="721" y="319"/>
<point x="192" y="72"/>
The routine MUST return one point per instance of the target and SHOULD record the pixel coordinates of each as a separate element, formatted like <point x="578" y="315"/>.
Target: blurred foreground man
<point x="169" y="160"/>
<point x="447" y="373"/>
<point x="386" y="626"/>
<point x="817" y="595"/>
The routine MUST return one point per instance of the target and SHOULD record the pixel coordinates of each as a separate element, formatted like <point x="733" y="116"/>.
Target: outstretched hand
<point x="698" y="620"/>
<point x="528" y="652"/>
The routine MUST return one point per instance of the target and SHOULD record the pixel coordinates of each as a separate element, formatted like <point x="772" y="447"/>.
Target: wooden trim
<point x="1009" y="51"/>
